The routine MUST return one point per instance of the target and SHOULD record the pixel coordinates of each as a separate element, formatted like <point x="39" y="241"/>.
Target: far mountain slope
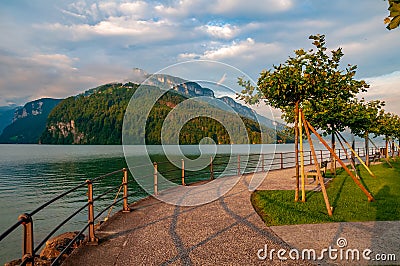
<point x="28" y="122"/>
<point x="6" y="116"/>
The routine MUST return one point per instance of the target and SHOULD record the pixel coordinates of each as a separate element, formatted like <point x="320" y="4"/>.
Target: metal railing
<point x="217" y="165"/>
<point x="29" y="250"/>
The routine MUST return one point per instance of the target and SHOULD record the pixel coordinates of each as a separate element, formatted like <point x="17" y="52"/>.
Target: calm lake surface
<point x="30" y="175"/>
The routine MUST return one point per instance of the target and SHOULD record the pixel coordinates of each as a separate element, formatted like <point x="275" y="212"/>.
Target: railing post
<point x="125" y="184"/>
<point x="238" y="164"/>
<point x="311" y="162"/>
<point x="262" y="162"/>
<point x="27" y="245"/>
<point x="155" y="179"/>
<point x="92" y="238"/>
<point x="321" y="155"/>
<point x="211" y="168"/>
<point x="183" y="172"/>
<point x="281" y="160"/>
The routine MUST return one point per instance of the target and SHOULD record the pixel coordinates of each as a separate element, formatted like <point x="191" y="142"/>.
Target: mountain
<point x="96" y="117"/>
<point x="6" y="115"/>
<point x="240" y="109"/>
<point x="193" y="89"/>
<point x="28" y="122"/>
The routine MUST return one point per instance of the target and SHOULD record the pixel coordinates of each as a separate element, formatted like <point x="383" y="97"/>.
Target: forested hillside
<point x="97" y="118"/>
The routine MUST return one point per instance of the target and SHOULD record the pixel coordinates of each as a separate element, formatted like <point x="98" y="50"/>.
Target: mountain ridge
<point x="32" y="114"/>
<point x="28" y="122"/>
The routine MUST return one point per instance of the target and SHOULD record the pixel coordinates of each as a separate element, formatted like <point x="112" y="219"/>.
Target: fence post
<point x="339" y="155"/>
<point x="262" y="162"/>
<point x="321" y="155"/>
<point x="27" y="245"/>
<point x="183" y="173"/>
<point x="238" y="164"/>
<point x="125" y="184"/>
<point x="155" y="179"/>
<point x="311" y="162"/>
<point x="92" y="238"/>
<point x="211" y="168"/>
<point x="281" y="160"/>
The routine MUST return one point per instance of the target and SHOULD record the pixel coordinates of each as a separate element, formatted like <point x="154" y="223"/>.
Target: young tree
<point x="362" y="119"/>
<point x="311" y="80"/>
<point x="387" y="125"/>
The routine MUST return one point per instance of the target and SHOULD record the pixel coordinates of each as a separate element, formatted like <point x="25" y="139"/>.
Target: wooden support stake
<point x="348" y="158"/>
<point x="319" y="175"/>
<point x="303" y="182"/>
<point x="369" y="196"/>
<point x="358" y="157"/>
<point x="296" y="145"/>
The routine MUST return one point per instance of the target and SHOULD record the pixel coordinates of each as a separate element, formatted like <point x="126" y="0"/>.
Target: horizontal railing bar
<point x="12" y="228"/>
<point x="106" y="192"/>
<point x="57" y="198"/>
<point x="59" y="226"/>
<point x="69" y="245"/>
<point x="109" y="206"/>
<point x="106" y="175"/>
<point x="146" y="176"/>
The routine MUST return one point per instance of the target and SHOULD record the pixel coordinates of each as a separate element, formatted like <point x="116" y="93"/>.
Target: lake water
<point x="30" y="175"/>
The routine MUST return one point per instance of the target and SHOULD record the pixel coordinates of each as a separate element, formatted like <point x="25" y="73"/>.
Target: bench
<point x="376" y="157"/>
<point x="313" y="173"/>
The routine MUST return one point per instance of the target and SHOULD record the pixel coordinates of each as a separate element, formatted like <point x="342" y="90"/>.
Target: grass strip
<point x="277" y="207"/>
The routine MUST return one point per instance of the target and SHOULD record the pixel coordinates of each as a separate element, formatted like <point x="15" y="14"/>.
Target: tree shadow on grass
<point x="276" y="211"/>
<point x="387" y="206"/>
<point x="339" y="192"/>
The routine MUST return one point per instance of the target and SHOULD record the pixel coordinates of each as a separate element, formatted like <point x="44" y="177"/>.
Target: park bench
<point x="376" y="157"/>
<point x="313" y="173"/>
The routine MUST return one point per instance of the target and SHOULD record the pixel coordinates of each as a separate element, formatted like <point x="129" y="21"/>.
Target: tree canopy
<point x="314" y="80"/>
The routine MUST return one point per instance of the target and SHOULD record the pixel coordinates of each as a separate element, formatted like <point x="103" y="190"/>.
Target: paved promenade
<point x="226" y="231"/>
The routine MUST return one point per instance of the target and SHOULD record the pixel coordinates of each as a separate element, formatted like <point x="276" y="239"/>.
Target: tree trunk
<point x="366" y="138"/>
<point x="393" y="149"/>
<point x="386" y="148"/>
<point x="333" y="160"/>
<point x="296" y="147"/>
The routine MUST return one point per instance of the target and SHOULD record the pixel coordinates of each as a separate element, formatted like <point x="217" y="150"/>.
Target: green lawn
<point x="349" y="202"/>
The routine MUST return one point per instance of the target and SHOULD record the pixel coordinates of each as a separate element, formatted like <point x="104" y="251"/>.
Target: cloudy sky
<point x="60" y="48"/>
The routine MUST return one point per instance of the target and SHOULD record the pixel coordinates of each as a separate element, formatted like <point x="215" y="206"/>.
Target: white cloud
<point x="252" y="6"/>
<point x="226" y="31"/>
<point x="247" y="49"/>
<point x="222" y="7"/>
<point x="135" y="9"/>
<point x="139" y="31"/>
<point x="386" y="88"/>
